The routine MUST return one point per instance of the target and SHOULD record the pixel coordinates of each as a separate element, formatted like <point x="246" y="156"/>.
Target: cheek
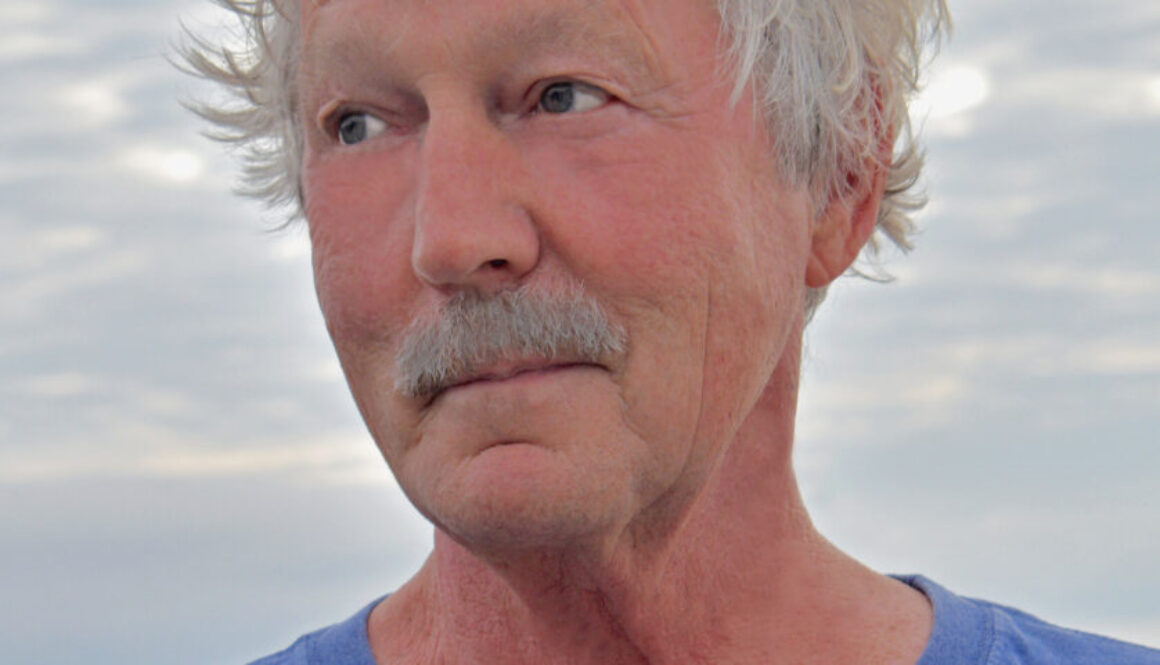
<point x="641" y="216"/>
<point x="631" y="215"/>
<point x="663" y="241"/>
<point x="707" y="253"/>
<point x="365" y="288"/>
<point x="360" y="253"/>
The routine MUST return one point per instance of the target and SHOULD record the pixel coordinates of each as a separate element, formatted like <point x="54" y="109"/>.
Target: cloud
<point x="1115" y="357"/>
<point x="941" y="387"/>
<point x="24" y="34"/>
<point x="848" y="405"/>
<point x="947" y="103"/>
<point x="67" y="384"/>
<point x="1138" y="629"/>
<point x="1096" y="93"/>
<point x="38" y="247"/>
<point x="291" y="246"/>
<point x="327" y="457"/>
<point x="1100" y="281"/>
<point x="15" y="14"/>
<point x="939" y="384"/>
<point x="95" y="104"/>
<point x="67" y="239"/>
<point x="29" y="46"/>
<point x="1047" y="355"/>
<point x="34" y="295"/>
<point x="166" y="165"/>
<point x="143" y="450"/>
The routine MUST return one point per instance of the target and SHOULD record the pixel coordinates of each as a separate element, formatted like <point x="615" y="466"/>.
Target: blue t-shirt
<point x="965" y="632"/>
<point x="346" y="643"/>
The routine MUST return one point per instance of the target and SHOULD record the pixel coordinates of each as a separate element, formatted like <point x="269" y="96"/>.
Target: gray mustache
<point x="473" y="331"/>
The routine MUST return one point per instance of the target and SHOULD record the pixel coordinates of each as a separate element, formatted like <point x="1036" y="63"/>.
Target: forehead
<point x="631" y="31"/>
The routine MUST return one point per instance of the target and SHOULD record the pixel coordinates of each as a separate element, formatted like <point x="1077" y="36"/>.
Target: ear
<point x="846" y="223"/>
<point x="851" y="214"/>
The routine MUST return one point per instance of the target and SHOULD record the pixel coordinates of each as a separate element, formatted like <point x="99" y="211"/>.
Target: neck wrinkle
<point x="735" y="559"/>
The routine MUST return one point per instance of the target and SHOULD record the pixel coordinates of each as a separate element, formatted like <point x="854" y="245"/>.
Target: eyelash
<point x="597" y="97"/>
<point x="336" y="121"/>
<point x="332" y="122"/>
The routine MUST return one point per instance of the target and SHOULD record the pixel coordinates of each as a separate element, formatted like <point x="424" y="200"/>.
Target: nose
<point x="473" y="227"/>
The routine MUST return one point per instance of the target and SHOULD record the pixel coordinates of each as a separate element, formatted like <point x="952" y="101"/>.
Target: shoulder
<point x="295" y="654"/>
<point x="344" y="643"/>
<point x="975" y="632"/>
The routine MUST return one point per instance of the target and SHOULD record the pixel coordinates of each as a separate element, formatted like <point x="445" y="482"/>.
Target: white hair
<point x="832" y="77"/>
<point x="260" y="114"/>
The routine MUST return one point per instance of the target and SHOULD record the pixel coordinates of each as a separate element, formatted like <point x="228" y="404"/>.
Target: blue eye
<point x="571" y="97"/>
<point x="357" y="127"/>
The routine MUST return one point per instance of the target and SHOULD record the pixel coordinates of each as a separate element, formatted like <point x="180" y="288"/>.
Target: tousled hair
<point x="832" y="78"/>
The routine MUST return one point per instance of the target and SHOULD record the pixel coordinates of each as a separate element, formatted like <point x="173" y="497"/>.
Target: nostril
<point x="497" y="263"/>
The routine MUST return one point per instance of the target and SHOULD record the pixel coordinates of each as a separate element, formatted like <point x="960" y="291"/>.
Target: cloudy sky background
<point x="183" y="478"/>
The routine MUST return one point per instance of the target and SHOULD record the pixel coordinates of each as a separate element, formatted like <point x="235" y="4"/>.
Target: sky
<point x="184" y="478"/>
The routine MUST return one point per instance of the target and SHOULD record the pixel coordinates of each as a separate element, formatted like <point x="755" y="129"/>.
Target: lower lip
<point x="525" y="377"/>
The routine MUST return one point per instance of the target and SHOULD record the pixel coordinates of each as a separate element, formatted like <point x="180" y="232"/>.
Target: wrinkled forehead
<point x="631" y="31"/>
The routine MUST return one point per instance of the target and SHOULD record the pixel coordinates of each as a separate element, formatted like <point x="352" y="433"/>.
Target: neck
<point x="740" y="576"/>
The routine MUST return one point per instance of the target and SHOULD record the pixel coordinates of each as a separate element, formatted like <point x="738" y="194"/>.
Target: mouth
<point x="508" y="372"/>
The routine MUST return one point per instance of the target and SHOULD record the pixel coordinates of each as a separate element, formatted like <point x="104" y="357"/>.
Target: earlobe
<point x="845" y="225"/>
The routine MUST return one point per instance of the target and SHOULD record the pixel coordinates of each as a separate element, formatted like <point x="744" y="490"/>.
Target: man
<point x="566" y="250"/>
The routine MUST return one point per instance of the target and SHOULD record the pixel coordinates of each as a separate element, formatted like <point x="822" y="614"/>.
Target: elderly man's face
<point x="479" y="146"/>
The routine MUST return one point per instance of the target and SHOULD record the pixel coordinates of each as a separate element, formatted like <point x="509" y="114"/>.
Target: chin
<point x="543" y="462"/>
<point x="517" y="497"/>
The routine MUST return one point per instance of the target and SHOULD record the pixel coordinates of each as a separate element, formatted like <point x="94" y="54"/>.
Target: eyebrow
<point x="562" y="29"/>
<point x="553" y="29"/>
